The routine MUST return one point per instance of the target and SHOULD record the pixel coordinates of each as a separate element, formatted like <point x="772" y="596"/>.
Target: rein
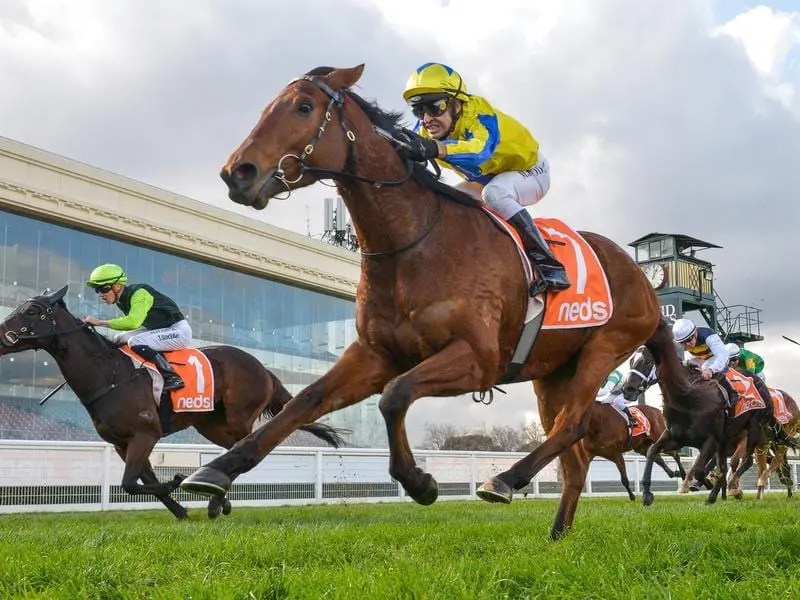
<point x="11" y="338"/>
<point x="336" y="103"/>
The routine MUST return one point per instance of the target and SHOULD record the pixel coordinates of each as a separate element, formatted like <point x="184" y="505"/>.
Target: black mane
<point x="392" y="121"/>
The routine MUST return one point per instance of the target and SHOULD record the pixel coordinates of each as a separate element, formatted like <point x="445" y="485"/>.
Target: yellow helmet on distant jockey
<point x="434" y="78"/>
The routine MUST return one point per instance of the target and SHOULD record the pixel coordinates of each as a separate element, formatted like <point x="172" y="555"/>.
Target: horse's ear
<point x="57" y="295"/>
<point x="340" y="79"/>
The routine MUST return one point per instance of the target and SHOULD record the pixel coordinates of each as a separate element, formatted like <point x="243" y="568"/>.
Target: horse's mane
<point x="392" y="121"/>
<point x="669" y="368"/>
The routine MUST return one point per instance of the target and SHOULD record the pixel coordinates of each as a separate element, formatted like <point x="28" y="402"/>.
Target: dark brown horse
<point x="119" y="397"/>
<point x="442" y="296"/>
<point x="608" y="436"/>
<point x="696" y="413"/>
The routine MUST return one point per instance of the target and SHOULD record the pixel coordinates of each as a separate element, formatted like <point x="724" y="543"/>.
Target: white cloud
<point x="768" y="38"/>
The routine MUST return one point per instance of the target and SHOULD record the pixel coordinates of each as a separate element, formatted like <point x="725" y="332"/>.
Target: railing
<point x="738" y="319"/>
<point x="86" y="476"/>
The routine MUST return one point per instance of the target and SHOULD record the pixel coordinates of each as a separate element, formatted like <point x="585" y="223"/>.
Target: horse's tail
<point x="280" y="396"/>
<point x="670" y="369"/>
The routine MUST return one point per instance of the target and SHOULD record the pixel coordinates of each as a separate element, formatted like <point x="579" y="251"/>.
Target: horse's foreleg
<point x="574" y="467"/>
<point x="722" y="482"/>
<point x="359" y="373"/>
<point x="699" y="469"/>
<point x="149" y="477"/>
<point x="764" y="470"/>
<point x="665" y="441"/>
<point x="452" y="371"/>
<point x="677" y="457"/>
<point x="619" y="460"/>
<point x="137" y="466"/>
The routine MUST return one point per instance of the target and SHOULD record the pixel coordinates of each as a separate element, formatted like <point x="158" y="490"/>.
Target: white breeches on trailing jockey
<point x="175" y="337"/>
<point x="507" y="193"/>
<point x="615" y="400"/>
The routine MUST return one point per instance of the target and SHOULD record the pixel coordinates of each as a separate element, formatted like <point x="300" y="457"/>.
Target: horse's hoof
<point x="428" y="492"/>
<point x="557" y="532"/>
<point x="632" y="497"/>
<point x="226" y="507"/>
<point x="207" y="482"/>
<point x="182" y="514"/>
<point x="496" y="490"/>
<point x="647" y="498"/>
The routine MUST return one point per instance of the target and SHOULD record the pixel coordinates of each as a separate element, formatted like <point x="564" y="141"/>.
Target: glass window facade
<point x="297" y="333"/>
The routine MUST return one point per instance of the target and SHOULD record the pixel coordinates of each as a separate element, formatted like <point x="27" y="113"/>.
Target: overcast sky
<point x="656" y="116"/>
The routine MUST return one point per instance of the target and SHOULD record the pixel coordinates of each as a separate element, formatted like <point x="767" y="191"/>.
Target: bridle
<point x="336" y="104"/>
<point x="26" y="333"/>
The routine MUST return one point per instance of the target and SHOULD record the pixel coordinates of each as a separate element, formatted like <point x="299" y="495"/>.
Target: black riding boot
<point x="631" y="419"/>
<point x="172" y="381"/>
<point x="733" y="395"/>
<point x="550" y="273"/>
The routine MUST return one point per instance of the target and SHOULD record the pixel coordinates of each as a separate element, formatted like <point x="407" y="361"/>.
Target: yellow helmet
<point x="434" y="79"/>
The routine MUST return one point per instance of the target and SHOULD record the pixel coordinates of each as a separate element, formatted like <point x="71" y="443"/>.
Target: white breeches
<point x="615" y="400"/>
<point x="507" y="193"/>
<point x="174" y="337"/>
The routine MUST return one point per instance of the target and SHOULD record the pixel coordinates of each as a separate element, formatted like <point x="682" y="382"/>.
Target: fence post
<point x="636" y="484"/>
<point x="589" y="481"/>
<point x="536" y="492"/>
<point x="318" y="477"/>
<point x="105" y="479"/>
<point x="473" y="475"/>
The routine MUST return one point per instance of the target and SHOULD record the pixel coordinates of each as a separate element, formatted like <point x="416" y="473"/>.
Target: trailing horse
<point x="442" y="298"/>
<point x="696" y="412"/>
<point x="610" y="437"/>
<point x="120" y="401"/>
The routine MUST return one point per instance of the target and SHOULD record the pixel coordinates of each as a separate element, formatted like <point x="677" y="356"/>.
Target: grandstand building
<point x="285" y="298"/>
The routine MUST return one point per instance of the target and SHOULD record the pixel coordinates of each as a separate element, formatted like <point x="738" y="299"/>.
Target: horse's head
<point x="302" y="131"/>
<point x="33" y="324"/>
<point x="641" y="374"/>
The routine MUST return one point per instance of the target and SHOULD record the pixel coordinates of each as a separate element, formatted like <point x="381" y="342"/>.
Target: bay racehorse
<point x="442" y="296"/>
<point x="610" y="437"/>
<point x="119" y="396"/>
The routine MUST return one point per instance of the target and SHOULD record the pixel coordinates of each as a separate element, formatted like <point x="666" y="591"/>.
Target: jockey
<point x="735" y="362"/>
<point x="152" y="323"/>
<point x="489" y="149"/>
<point x="611" y="393"/>
<point x="749" y="361"/>
<point x="708" y="353"/>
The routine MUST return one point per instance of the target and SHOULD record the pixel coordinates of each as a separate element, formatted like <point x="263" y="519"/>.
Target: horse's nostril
<point x="243" y="175"/>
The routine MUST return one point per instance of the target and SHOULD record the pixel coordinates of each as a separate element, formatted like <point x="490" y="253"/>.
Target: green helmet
<point x="107" y="274"/>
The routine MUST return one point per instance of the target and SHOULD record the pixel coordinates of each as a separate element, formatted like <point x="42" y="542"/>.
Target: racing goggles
<point x="435" y="108"/>
<point x="102" y="289"/>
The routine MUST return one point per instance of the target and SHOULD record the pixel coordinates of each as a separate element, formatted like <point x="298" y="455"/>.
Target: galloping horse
<point x="119" y="397"/>
<point x="442" y="297"/>
<point x="695" y="411"/>
<point x="608" y="436"/>
<point x="778" y="463"/>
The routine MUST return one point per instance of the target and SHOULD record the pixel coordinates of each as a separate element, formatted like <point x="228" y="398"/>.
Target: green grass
<point x="678" y="548"/>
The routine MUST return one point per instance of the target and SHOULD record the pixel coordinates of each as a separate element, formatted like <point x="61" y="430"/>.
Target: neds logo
<point x="583" y="311"/>
<point x="195" y="403"/>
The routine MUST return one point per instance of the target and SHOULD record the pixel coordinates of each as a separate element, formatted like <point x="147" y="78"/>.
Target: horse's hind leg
<point x="681" y="471"/>
<point x="574" y="467"/>
<point x="452" y="371"/>
<point x="619" y="460"/>
<point x="564" y="396"/>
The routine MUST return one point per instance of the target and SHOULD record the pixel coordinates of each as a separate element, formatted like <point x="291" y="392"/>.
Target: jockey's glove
<point x="417" y="147"/>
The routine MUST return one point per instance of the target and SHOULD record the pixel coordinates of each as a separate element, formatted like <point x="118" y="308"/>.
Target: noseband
<point x="336" y="103"/>
<point x="11" y="338"/>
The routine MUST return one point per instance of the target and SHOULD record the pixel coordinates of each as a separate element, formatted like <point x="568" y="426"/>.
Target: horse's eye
<point x="305" y="107"/>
